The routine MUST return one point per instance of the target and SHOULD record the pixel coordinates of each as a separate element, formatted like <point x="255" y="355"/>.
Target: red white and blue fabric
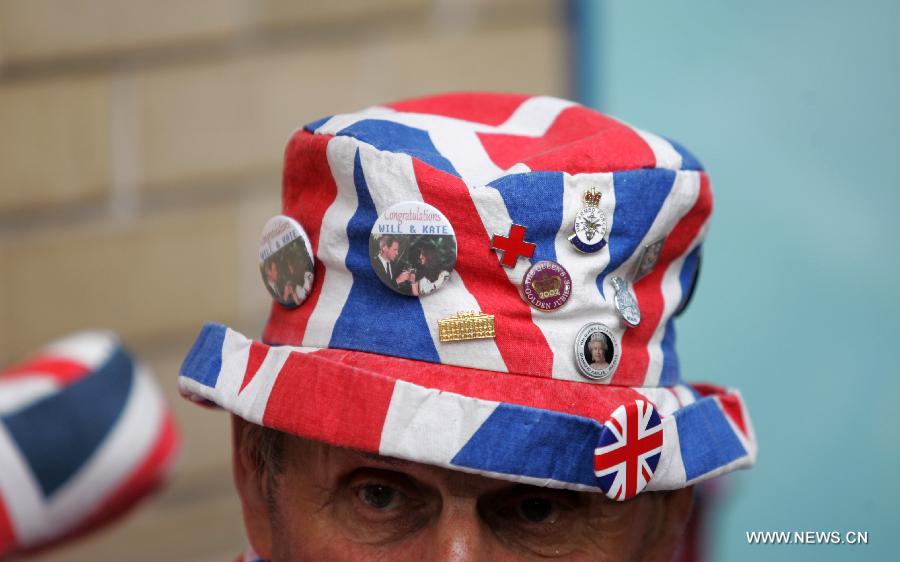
<point x="628" y="451"/>
<point x="359" y="365"/>
<point x="84" y="434"/>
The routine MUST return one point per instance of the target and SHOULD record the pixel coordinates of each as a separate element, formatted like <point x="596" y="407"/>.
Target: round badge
<point x="413" y="248"/>
<point x="628" y="450"/>
<point x="286" y="261"/>
<point x="547" y="285"/>
<point x="626" y="304"/>
<point x="590" y="225"/>
<point x="596" y="352"/>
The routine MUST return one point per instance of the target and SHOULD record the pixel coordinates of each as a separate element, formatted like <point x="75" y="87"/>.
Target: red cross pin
<point x="513" y="246"/>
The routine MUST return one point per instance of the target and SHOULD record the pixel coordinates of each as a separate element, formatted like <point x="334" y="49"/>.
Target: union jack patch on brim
<point x="359" y="365"/>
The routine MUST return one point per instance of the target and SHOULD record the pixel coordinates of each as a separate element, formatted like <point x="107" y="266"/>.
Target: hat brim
<point x="536" y="430"/>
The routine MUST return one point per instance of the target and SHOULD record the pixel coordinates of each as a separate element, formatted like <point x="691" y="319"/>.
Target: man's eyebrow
<point x="386" y="460"/>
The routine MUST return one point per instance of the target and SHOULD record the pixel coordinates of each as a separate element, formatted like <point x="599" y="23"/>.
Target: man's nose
<point x="460" y="535"/>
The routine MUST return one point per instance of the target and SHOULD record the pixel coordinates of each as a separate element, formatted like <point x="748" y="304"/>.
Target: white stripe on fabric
<point x="24" y="499"/>
<point x="669" y="473"/>
<point x="430" y="426"/>
<point x="665" y="402"/>
<point x="334" y="245"/>
<point x="534" y="116"/>
<point x="586" y="304"/>
<point x="457" y="140"/>
<point x="391" y="178"/>
<point x="680" y="201"/>
<point x="91" y="349"/>
<point x="665" y="154"/>
<point x="128" y="443"/>
<point x="684" y="394"/>
<point x="251" y="402"/>
<point x="16" y="393"/>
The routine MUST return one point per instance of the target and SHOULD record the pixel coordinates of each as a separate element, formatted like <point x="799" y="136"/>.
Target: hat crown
<point x="488" y="161"/>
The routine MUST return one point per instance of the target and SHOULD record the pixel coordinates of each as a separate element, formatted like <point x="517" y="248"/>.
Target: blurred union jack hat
<point x="84" y="434"/>
<point x="359" y="365"/>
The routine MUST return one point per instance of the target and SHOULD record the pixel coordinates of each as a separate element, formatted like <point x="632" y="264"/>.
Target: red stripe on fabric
<point x="309" y="190"/>
<point x="143" y="481"/>
<point x="329" y="402"/>
<point x="706" y="389"/>
<point x="7" y="535"/>
<point x="733" y="408"/>
<point x="635" y="358"/>
<point x="571" y="145"/>
<point x="61" y="369"/>
<point x="257" y="355"/>
<point x="521" y="343"/>
<point x="617" y="425"/>
<point x="487" y="108"/>
<point x="576" y="398"/>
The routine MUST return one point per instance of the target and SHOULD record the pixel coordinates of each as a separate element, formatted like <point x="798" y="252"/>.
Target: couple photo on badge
<point x="288" y="273"/>
<point x="412" y="264"/>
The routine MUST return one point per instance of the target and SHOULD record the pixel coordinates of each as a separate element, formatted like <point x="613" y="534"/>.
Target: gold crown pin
<point x="592" y="197"/>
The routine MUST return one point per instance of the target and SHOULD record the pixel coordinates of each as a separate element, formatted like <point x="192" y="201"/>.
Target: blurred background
<point x="140" y="155"/>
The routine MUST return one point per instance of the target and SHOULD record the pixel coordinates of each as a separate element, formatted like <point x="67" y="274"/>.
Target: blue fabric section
<point x="204" y="360"/>
<point x="707" y="441"/>
<point x="532" y="442"/>
<point x="394" y="137"/>
<point x="640" y="195"/>
<point x="535" y="200"/>
<point x="670" y="373"/>
<point x="58" y="434"/>
<point x="311" y="127"/>
<point x="688" y="275"/>
<point x="688" y="160"/>
<point x="375" y="318"/>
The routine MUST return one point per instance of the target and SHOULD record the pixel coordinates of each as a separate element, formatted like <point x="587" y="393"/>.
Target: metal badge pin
<point x="596" y="351"/>
<point x="648" y="259"/>
<point x="286" y="261"/>
<point x="547" y="285"/>
<point x="626" y="304"/>
<point x="513" y="246"/>
<point x="590" y="224"/>
<point x="466" y="326"/>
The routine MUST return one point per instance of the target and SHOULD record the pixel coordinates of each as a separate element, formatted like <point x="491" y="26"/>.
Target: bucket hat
<point x="547" y="355"/>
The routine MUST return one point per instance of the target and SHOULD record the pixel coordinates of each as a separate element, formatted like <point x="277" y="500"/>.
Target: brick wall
<point x="140" y="155"/>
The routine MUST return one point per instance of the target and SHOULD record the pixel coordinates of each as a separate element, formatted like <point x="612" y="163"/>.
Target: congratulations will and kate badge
<point x="412" y="248"/>
<point x="286" y="261"/>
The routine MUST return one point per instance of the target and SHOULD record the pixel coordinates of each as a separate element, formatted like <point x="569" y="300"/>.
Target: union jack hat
<point x="362" y="366"/>
<point x="84" y="435"/>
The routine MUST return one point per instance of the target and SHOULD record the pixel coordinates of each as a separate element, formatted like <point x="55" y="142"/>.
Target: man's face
<point x="337" y="504"/>
<point x="272" y="272"/>
<point x="390" y="251"/>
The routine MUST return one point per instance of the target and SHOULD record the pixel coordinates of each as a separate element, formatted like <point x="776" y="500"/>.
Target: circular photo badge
<point x="596" y="352"/>
<point x="286" y="261"/>
<point x="547" y="285"/>
<point x="413" y="248"/>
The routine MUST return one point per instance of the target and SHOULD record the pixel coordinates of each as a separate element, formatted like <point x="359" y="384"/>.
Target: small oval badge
<point x="596" y="352"/>
<point x="286" y="261"/>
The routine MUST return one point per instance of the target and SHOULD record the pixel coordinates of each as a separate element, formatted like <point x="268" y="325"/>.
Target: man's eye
<point x="538" y="510"/>
<point x="379" y="496"/>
